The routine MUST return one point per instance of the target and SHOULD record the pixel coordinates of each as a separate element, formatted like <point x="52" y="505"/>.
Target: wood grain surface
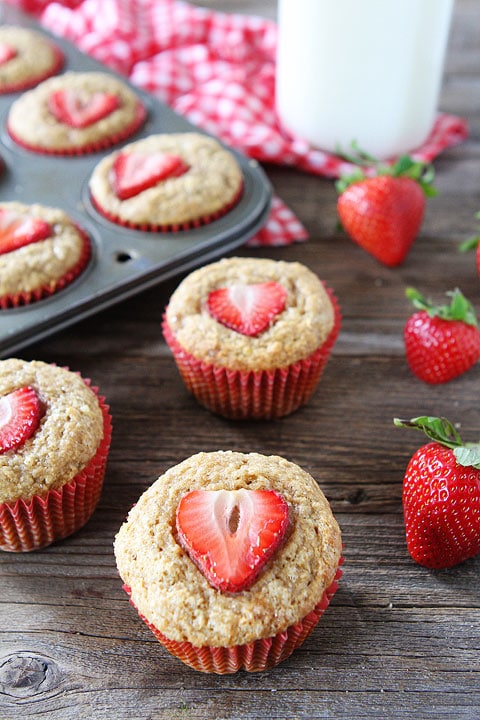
<point x="398" y="641"/>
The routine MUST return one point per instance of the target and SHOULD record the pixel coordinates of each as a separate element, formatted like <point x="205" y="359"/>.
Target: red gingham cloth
<point x="216" y="69"/>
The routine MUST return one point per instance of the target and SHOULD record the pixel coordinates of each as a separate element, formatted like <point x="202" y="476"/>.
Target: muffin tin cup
<point x="256" y="656"/>
<point x="253" y="395"/>
<point x="33" y="524"/>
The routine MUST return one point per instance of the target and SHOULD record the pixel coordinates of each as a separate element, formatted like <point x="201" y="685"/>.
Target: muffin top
<point x="28" y="57"/>
<point x="75" y="110"/>
<point x="171" y="592"/>
<point x="302" y="326"/>
<point x="43" y="261"/>
<point x="201" y="179"/>
<point x="67" y="437"/>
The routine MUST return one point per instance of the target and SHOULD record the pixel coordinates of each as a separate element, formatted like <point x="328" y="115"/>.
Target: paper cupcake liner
<point x="88" y="148"/>
<point x="254" y="395"/>
<point x="255" y="656"/>
<point x="44" y="291"/>
<point x="43" y="519"/>
<point x="30" y="82"/>
<point x="168" y="227"/>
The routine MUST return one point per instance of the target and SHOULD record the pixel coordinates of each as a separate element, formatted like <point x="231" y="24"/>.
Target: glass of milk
<point x="368" y="71"/>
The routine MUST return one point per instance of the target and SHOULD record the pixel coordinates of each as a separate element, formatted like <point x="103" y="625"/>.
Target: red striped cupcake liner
<point x="254" y="395"/>
<point x="25" y="298"/>
<point x="26" y="84"/>
<point x="88" y="148"/>
<point x="33" y="524"/>
<point x="256" y="656"/>
<point x="168" y="227"/>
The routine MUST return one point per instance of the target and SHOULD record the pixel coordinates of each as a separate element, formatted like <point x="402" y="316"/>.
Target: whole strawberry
<point x="383" y="213"/>
<point x="441" y="496"/>
<point x="441" y="341"/>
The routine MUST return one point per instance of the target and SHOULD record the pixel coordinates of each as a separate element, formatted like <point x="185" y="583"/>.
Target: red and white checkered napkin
<point x="216" y="69"/>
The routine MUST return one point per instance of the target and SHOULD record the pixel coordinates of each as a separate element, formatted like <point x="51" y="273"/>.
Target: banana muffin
<point x="231" y="559"/>
<point x="26" y="58"/>
<point x="251" y="336"/>
<point x="75" y="113"/>
<point x="41" y="252"/>
<point x="55" y="432"/>
<point x="167" y="182"/>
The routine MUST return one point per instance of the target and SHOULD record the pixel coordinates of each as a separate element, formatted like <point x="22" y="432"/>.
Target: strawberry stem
<point x="459" y="309"/>
<point x="441" y="430"/>
<point x="472" y="242"/>
<point x="404" y="166"/>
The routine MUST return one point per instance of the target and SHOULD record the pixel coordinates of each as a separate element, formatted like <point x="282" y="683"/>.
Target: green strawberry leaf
<point x="438" y="429"/>
<point x="470" y="243"/>
<point x="468" y="455"/>
<point x="460" y="308"/>
<point x="404" y="166"/>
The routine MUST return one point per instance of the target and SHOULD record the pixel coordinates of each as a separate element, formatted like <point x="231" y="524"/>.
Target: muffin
<point x="231" y="559"/>
<point x="26" y="58"/>
<point x="55" y="432"/>
<point x="167" y="182"/>
<point x="251" y="336"/>
<point x="75" y="113"/>
<point x="41" y="252"/>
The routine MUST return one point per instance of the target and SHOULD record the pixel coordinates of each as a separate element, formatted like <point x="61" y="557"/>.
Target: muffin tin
<point x="124" y="261"/>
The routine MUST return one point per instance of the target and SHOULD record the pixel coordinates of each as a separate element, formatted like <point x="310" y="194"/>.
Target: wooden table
<point x="398" y="641"/>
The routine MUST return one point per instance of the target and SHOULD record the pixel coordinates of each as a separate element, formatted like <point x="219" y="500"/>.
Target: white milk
<point x="362" y="70"/>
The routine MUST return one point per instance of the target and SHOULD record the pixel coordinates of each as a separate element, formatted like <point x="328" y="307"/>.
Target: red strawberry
<point x="134" y="172"/>
<point x="441" y="342"/>
<point x="7" y="52"/>
<point x="231" y="534"/>
<point x="77" y="109"/>
<point x="17" y="230"/>
<point x="441" y="496"/>
<point x="247" y="309"/>
<point x="383" y="213"/>
<point x="20" y="413"/>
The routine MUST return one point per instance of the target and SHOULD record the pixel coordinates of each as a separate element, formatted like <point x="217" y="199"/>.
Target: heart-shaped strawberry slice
<point x="7" y="52"/>
<point x="20" y="413"/>
<point x="231" y="534"/>
<point x="17" y="230"/>
<point x="247" y="309"/>
<point x="134" y="172"/>
<point x="79" y="109"/>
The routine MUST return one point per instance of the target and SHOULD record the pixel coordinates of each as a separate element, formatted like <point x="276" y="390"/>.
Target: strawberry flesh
<point x="17" y="230"/>
<point x="79" y="110"/>
<point x="20" y="413"/>
<point x="231" y="534"/>
<point x="134" y="172"/>
<point x="247" y="309"/>
<point x="7" y="52"/>
<point x="441" y="502"/>
<point x="383" y="215"/>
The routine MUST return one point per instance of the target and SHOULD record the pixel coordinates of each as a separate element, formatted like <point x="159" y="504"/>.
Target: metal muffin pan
<point x="124" y="261"/>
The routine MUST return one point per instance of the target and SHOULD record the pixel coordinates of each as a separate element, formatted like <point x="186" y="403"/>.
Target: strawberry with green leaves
<point x="441" y="341"/>
<point x="383" y="212"/>
<point x="441" y="496"/>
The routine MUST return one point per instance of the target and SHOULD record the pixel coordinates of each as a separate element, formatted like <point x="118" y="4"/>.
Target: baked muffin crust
<point x="212" y="182"/>
<point x="68" y="436"/>
<point x="36" y="57"/>
<point x="298" y="331"/>
<point x="170" y="591"/>
<point x="43" y="262"/>
<point x="32" y="123"/>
